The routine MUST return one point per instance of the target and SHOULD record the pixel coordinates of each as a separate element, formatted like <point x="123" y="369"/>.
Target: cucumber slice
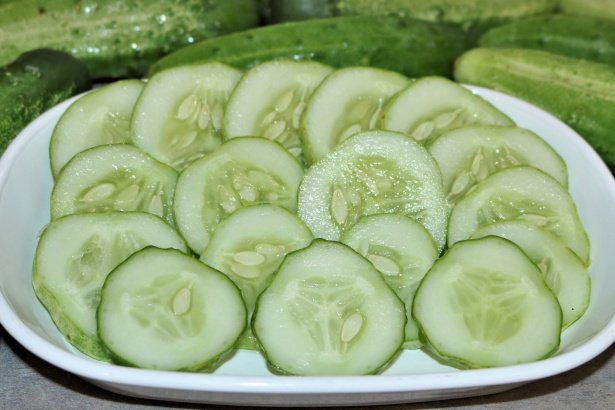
<point x="240" y="172"/>
<point x="248" y="247"/>
<point x="115" y="177"/>
<point x="74" y="256"/>
<point x="562" y="270"/>
<point x="373" y="172"/>
<point x="470" y="154"/>
<point x="347" y="102"/>
<point x="162" y="309"/>
<point x="485" y="304"/>
<point x="328" y="312"/>
<point x="178" y="117"/>
<point x="98" y="118"/>
<point x="402" y="250"/>
<point x="433" y="105"/>
<point x="524" y="193"/>
<point x="270" y="99"/>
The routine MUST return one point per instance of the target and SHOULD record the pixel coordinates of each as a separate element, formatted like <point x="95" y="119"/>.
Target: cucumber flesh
<point x="328" y="312"/>
<point x="485" y="304"/>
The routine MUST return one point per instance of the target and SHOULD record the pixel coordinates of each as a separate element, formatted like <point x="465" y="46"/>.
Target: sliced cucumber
<point x="402" y="250"/>
<point x="270" y="99"/>
<point x="162" y="309"/>
<point x="433" y="105"/>
<point x="74" y="256"/>
<point x="178" y="117"/>
<point x="115" y="177"/>
<point x="470" y="154"/>
<point x="98" y="118"/>
<point x="562" y="270"/>
<point x="240" y="172"/>
<point x="328" y="312"/>
<point x="485" y="304"/>
<point x="248" y="247"/>
<point x="373" y="172"/>
<point x="524" y="193"/>
<point x="348" y="101"/>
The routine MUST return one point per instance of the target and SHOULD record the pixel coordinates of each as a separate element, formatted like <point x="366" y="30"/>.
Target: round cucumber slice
<point x="162" y="309"/>
<point x="74" y="256"/>
<point x="402" y="250"/>
<point x="328" y="312"/>
<point x="524" y="193"/>
<point x="563" y="271"/>
<point x="470" y="154"/>
<point x="373" y="172"/>
<point x="240" y="172"/>
<point x="116" y="177"/>
<point x="485" y="304"/>
<point x="97" y="118"/>
<point x="432" y="105"/>
<point x="270" y="99"/>
<point x="178" y="117"/>
<point x="347" y="102"/>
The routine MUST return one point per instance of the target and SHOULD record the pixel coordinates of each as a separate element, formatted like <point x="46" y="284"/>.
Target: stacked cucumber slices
<point x="326" y="218"/>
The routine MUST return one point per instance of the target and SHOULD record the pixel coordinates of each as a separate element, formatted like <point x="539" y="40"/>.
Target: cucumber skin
<point x="118" y="38"/>
<point x="585" y="37"/>
<point x="36" y="81"/>
<point x="398" y="44"/>
<point x="579" y="92"/>
<point x="596" y="8"/>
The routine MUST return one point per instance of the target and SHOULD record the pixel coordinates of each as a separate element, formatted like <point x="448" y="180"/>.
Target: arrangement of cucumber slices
<point x="326" y="218"/>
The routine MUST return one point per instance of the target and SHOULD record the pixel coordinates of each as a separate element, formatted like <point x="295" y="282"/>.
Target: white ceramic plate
<point x="25" y="186"/>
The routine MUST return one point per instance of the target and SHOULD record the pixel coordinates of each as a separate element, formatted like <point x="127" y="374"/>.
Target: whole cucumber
<point x="36" y="81"/>
<point x="117" y="38"/>
<point x="581" y="93"/>
<point x="412" y="47"/>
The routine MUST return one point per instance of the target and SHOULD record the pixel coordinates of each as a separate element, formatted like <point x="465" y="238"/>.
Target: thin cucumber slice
<point x="248" y="247"/>
<point x="162" y="309"/>
<point x="433" y="105"/>
<point x="240" y="172"/>
<point x="74" y="256"/>
<point x="402" y="250"/>
<point x="373" y="172"/>
<point x="347" y="102"/>
<point x="97" y="118"/>
<point x="524" y="193"/>
<point x="115" y="177"/>
<point x="470" y="154"/>
<point x="178" y="117"/>
<point x="485" y="304"/>
<point x="328" y="312"/>
<point x="270" y="99"/>
<point x="563" y="271"/>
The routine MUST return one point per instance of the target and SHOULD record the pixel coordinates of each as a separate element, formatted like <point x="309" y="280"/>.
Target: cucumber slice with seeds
<point x="524" y="193"/>
<point x="74" y="256"/>
<point x="347" y="102"/>
<point x="402" y="250"/>
<point x="98" y="118"/>
<point x="270" y="99"/>
<point x="115" y="177"/>
<point x="240" y="172"/>
<point x="178" y="117"/>
<point x="162" y="309"/>
<point x="485" y="304"/>
<point x="373" y="172"/>
<point x="328" y="312"/>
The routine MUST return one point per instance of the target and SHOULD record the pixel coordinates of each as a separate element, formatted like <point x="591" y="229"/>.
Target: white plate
<point x="25" y="186"/>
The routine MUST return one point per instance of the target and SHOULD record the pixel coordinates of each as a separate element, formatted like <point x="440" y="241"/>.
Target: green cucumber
<point x="595" y="8"/>
<point x="580" y="93"/>
<point x="33" y="83"/>
<point x="292" y="10"/>
<point x="338" y="41"/>
<point x="590" y="38"/>
<point x="117" y="38"/>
